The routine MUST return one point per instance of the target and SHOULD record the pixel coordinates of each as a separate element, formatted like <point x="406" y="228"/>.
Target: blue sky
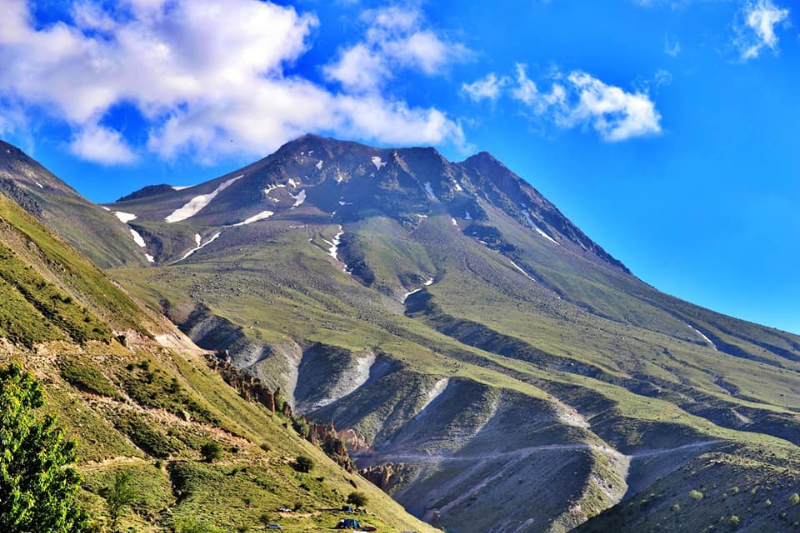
<point x="666" y="129"/>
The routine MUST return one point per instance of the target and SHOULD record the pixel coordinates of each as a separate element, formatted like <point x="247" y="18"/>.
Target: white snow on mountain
<point x="537" y="228"/>
<point x="198" y="239"/>
<point x="255" y="218"/>
<point x="196" y="204"/>
<point x="299" y="199"/>
<point x="429" y="190"/>
<point x="137" y="238"/>
<point x="378" y="162"/>
<point x="125" y="217"/>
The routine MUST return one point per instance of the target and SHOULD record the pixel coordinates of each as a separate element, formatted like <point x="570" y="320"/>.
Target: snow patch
<point x="124" y="217"/>
<point x="272" y="188"/>
<point x="299" y="199"/>
<point x="525" y="273"/>
<point x="333" y="251"/>
<point x="537" y="228"/>
<point x="150" y="258"/>
<point x="196" y="204"/>
<point x="319" y="165"/>
<point x="457" y="186"/>
<point x="466" y="216"/>
<point x="292" y="183"/>
<point x="703" y="336"/>
<point x="181" y="187"/>
<point x="39" y="185"/>
<point x="255" y="218"/>
<point x="455" y="223"/>
<point x="415" y="291"/>
<point x="137" y="238"/>
<point x="198" y="239"/>
<point x="429" y="190"/>
<point x="378" y="162"/>
<point x="104" y="207"/>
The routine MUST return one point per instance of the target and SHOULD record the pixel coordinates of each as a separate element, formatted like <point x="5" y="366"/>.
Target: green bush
<point x="37" y="484"/>
<point x="304" y="464"/>
<point x="696" y="495"/>
<point x="794" y="499"/>
<point x="733" y="521"/>
<point x="211" y="451"/>
<point x="359" y="499"/>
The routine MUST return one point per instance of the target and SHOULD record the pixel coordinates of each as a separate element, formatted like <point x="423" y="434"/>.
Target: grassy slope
<point x="295" y="293"/>
<point x="148" y="410"/>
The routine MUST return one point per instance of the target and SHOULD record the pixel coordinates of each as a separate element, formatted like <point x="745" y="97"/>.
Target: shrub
<point x="733" y="521"/>
<point x="119" y="496"/>
<point x="359" y="499"/>
<point x="304" y="464"/>
<point x="696" y="495"/>
<point x="298" y="506"/>
<point x="676" y="508"/>
<point x="794" y="499"/>
<point x="266" y="447"/>
<point x="37" y="485"/>
<point x="211" y="451"/>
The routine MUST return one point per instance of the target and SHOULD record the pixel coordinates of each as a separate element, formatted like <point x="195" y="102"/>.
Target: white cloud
<point x="579" y="99"/>
<point x="615" y="114"/>
<point x="671" y="48"/>
<point x="526" y="90"/>
<point x="209" y="77"/>
<point x="395" y="38"/>
<point x="756" y="30"/>
<point x="101" y="145"/>
<point x="662" y="78"/>
<point x="486" y="88"/>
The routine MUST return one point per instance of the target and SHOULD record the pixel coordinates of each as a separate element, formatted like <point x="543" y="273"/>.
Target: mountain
<point x="105" y="239"/>
<point x="139" y="397"/>
<point x="489" y="365"/>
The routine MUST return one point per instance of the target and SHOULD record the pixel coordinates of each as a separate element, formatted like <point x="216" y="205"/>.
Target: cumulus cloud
<point x="210" y="78"/>
<point x="579" y="99"/>
<point x="395" y="38"/>
<point x="486" y="88"/>
<point x="756" y="29"/>
<point x="102" y="145"/>
<point x="615" y="114"/>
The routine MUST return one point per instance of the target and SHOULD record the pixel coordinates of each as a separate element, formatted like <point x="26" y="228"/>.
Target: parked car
<point x="274" y="526"/>
<point x="369" y="528"/>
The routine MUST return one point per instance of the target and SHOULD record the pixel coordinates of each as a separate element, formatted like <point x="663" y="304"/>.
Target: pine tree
<point x="37" y="490"/>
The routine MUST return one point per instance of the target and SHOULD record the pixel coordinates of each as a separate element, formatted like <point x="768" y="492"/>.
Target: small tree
<point x="359" y="499"/>
<point x="696" y="495"/>
<point x="37" y="486"/>
<point x="304" y="464"/>
<point x="119" y="496"/>
<point x="794" y="499"/>
<point x="211" y="451"/>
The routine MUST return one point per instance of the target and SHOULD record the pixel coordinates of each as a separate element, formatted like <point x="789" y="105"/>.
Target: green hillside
<point x="147" y="408"/>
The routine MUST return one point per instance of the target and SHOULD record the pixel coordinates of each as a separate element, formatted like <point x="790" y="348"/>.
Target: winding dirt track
<point x="369" y="459"/>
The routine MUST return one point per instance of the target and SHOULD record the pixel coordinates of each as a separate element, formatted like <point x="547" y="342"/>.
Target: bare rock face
<point x="353" y="440"/>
